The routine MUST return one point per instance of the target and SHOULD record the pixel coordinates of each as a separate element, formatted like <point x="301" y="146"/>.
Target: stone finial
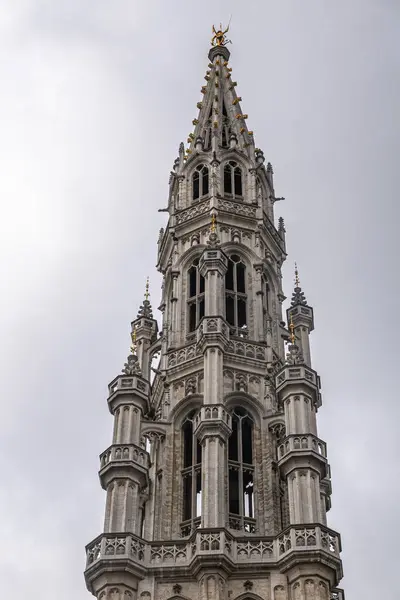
<point x="145" y="309"/>
<point x="259" y="156"/>
<point x="298" y="296"/>
<point x="281" y="227"/>
<point x="269" y="168"/>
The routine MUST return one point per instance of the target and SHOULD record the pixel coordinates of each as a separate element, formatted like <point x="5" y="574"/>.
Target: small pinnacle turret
<point x="145" y="309"/>
<point x="298" y="296"/>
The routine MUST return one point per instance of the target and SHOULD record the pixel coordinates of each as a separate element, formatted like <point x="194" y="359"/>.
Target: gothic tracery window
<point x="191" y="477"/>
<point x="233" y="180"/>
<point x="196" y="288"/>
<point x="200" y="186"/>
<point x="235" y="295"/>
<point x="241" y="472"/>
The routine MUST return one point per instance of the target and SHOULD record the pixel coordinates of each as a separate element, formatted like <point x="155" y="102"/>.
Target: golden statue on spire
<point x="219" y="39"/>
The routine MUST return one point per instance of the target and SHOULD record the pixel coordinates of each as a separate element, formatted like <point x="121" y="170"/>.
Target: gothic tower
<point x="217" y="485"/>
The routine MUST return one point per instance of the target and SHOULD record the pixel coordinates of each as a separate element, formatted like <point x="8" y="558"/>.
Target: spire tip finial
<point x="296" y="275"/>
<point x="147" y="293"/>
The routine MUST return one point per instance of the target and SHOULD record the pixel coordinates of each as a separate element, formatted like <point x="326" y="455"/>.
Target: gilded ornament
<point x="219" y="39"/>
<point x="236" y="100"/>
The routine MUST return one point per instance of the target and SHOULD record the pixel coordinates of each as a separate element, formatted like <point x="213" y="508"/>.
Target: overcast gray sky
<point x="95" y="98"/>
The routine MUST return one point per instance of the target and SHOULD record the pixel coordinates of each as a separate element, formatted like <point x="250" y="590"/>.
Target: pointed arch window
<point x="191" y="478"/>
<point x="207" y="131"/>
<point x="241" y="472"/>
<point x="196" y="289"/>
<point x="200" y="182"/>
<point x="226" y="130"/>
<point x="235" y="296"/>
<point x="233" y="180"/>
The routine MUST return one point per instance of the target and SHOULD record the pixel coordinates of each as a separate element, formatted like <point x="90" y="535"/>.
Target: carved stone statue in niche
<point x="280" y="593"/>
<point x="310" y="589"/>
<point x="296" y="592"/>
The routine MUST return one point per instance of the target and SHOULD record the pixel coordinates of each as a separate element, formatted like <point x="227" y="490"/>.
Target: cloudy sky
<point x="95" y="98"/>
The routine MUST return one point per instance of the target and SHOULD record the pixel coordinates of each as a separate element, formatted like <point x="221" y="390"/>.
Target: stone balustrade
<point x="213" y="412"/>
<point x="213" y="326"/>
<point x="124" y="453"/>
<point x="248" y="349"/>
<point x="299" y="443"/>
<point x="128" y="382"/>
<point x="216" y="542"/>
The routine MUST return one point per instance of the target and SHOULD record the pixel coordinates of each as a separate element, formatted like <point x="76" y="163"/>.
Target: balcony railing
<point x="298" y="443"/>
<point x="125" y="452"/>
<point x="254" y="549"/>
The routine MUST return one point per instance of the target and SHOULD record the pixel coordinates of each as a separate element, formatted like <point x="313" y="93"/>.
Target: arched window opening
<point x="196" y="289"/>
<point x="200" y="180"/>
<point x="207" y="131"/>
<point x="241" y="472"/>
<point x="191" y="478"/>
<point x="235" y="296"/>
<point x="226" y="130"/>
<point x="267" y="297"/>
<point x="233" y="180"/>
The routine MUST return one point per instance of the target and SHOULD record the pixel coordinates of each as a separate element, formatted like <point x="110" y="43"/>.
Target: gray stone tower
<point x="217" y="485"/>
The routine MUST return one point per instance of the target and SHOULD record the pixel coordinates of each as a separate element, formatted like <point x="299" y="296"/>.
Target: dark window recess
<point x="240" y="272"/>
<point x="192" y="281"/>
<point x="201" y="309"/>
<point x="191" y="474"/>
<point x="196" y="185"/>
<point x="187" y="497"/>
<point x="235" y="294"/>
<point x="188" y="444"/>
<point x="241" y="469"/>
<point x="234" y="492"/>
<point x="233" y="442"/>
<point x="233" y="179"/>
<point x="238" y="182"/>
<point x="196" y="285"/>
<point x="227" y="180"/>
<point x="241" y="309"/>
<point x="205" y="181"/>
<point x="200" y="185"/>
<point x="229" y="277"/>
<point x="230" y="310"/>
<point x="192" y="317"/>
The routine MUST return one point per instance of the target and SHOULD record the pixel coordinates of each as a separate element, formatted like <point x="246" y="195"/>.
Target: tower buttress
<point x="217" y="485"/>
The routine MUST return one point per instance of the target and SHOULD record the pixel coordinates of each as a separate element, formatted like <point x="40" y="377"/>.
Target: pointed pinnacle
<point x="145" y="310"/>
<point x="298" y="296"/>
